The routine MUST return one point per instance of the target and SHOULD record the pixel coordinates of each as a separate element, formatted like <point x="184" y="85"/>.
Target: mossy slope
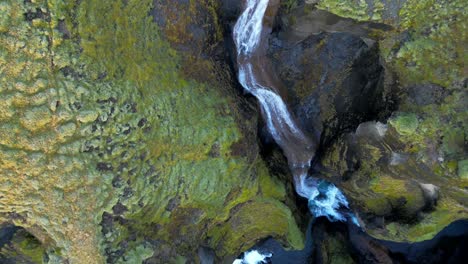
<point x="110" y="150"/>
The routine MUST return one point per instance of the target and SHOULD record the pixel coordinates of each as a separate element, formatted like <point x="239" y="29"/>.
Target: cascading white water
<point x="324" y="198"/>
<point x="248" y="29"/>
<point x="253" y="256"/>
<point x="296" y="146"/>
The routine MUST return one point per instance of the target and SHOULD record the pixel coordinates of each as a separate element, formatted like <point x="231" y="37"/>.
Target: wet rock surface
<point x="402" y="172"/>
<point x="390" y="186"/>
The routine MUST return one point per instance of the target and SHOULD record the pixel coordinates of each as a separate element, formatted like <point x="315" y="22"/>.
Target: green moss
<point x="355" y="9"/>
<point x="445" y="212"/>
<point x="440" y="132"/>
<point x="5" y="11"/>
<point x="430" y="134"/>
<point x="428" y="56"/>
<point x="180" y="260"/>
<point x="422" y="53"/>
<point x="254" y="220"/>
<point x="463" y="169"/>
<point x="271" y="187"/>
<point x="377" y="205"/>
<point x="453" y="142"/>
<point x="394" y="190"/>
<point x="379" y="7"/>
<point x="137" y="255"/>
<point x="23" y="248"/>
<point x="392" y="229"/>
<point x="405" y="123"/>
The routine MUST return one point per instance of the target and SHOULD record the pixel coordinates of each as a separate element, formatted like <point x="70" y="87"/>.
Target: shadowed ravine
<point x="255" y="74"/>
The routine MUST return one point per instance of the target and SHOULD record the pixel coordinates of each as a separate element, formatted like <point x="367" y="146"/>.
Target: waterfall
<point x="325" y="199"/>
<point x="297" y="147"/>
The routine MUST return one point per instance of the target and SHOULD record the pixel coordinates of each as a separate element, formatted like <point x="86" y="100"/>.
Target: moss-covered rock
<point x="243" y="226"/>
<point x="405" y="124"/>
<point x="385" y="167"/>
<point x="399" y="194"/>
<point x="417" y="49"/>
<point x="118" y="144"/>
<point x="463" y="169"/>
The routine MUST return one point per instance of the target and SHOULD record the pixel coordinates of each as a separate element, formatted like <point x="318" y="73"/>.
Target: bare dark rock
<point x="334" y="81"/>
<point x="425" y="94"/>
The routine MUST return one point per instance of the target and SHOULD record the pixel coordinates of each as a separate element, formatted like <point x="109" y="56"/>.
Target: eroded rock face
<point x="396" y="183"/>
<point x="418" y="50"/>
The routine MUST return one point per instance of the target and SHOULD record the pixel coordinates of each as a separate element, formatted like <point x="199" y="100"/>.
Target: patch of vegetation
<point x="105" y="144"/>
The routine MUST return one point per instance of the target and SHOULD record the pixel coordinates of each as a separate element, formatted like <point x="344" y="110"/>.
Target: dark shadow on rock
<point x="6" y="234"/>
<point x="449" y="246"/>
<point x="17" y="245"/>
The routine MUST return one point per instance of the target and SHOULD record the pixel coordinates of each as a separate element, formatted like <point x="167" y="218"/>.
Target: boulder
<point x="396" y="194"/>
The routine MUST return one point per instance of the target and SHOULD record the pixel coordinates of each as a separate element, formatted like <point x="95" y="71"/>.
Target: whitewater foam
<point x="253" y="257"/>
<point x="248" y="28"/>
